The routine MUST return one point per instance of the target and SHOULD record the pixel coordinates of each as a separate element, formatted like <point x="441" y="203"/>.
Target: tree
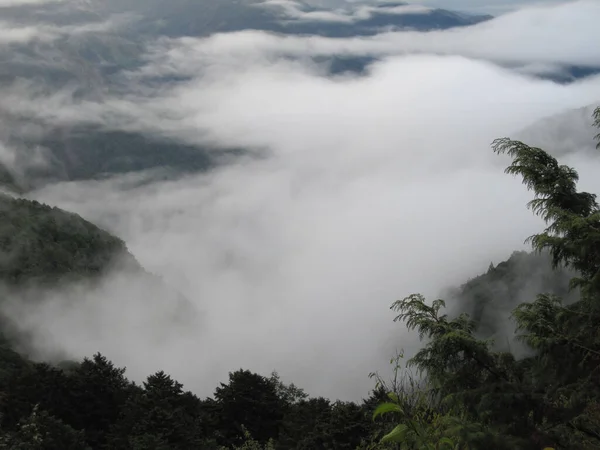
<point x="41" y="431"/>
<point x="98" y="392"/>
<point x="31" y="385"/>
<point x="160" y="415"/>
<point x="474" y="384"/>
<point x="251" y="401"/>
<point x="552" y="398"/>
<point x="567" y="364"/>
<point x="289" y="393"/>
<point x="573" y="218"/>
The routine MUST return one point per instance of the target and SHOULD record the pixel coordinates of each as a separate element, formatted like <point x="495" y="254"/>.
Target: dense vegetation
<point x="44" y="251"/>
<point x="490" y="298"/>
<point x="466" y="393"/>
<point x="476" y="397"/>
<point x="40" y="243"/>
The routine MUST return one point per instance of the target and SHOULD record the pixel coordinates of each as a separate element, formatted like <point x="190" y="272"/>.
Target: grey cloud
<point x="494" y="7"/>
<point x="20" y="33"/>
<point x="564" y="134"/>
<point x="490" y="6"/>
<point x="10" y="3"/>
<point x="14" y="33"/>
<point x="151" y="315"/>
<point x="294" y="10"/>
<point x="559" y="34"/>
<point x="540" y="41"/>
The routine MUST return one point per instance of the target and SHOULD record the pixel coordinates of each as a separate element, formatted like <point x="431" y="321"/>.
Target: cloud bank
<point x="294" y="10"/>
<point x="361" y="190"/>
<point x="562" y="34"/>
<point x="11" y="32"/>
<point x="11" y="3"/>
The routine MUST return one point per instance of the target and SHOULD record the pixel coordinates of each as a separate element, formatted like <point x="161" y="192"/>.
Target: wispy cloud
<point x="561" y="34"/>
<point x="539" y="40"/>
<point x="495" y="7"/>
<point x="11" y="32"/>
<point x="292" y="10"/>
<point x="14" y="33"/>
<point x="10" y="3"/>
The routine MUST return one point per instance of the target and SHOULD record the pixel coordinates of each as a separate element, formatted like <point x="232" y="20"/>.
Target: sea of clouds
<point x="357" y="190"/>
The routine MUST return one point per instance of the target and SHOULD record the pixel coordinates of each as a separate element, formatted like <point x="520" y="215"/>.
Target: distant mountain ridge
<point x="568" y="132"/>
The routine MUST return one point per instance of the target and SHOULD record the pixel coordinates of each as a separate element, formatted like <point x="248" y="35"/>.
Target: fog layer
<point x="357" y="191"/>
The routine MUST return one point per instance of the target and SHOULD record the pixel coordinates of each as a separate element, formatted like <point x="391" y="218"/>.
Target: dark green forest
<point x="468" y="387"/>
<point x="47" y="245"/>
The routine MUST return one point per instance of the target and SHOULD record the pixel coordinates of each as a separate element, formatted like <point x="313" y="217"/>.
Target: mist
<point x="356" y="191"/>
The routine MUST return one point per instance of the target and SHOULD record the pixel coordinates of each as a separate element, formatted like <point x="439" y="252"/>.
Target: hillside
<point x="563" y="134"/>
<point x="42" y="244"/>
<point x="47" y="254"/>
<point x="491" y="297"/>
<point x="85" y="152"/>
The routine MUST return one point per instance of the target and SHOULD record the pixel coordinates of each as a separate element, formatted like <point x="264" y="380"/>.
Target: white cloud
<point x="21" y="34"/>
<point x="13" y="33"/>
<point x="539" y="41"/>
<point x="375" y="188"/>
<point x="294" y="10"/>
<point x="561" y="34"/>
<point x="369" y="188"/>
<point x="9" y="3"/>
<point x="494" y="7"/>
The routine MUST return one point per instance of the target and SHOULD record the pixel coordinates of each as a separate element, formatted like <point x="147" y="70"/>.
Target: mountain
<point x="41" y="244"/>
<point x="86" y="152"/>
<point x="46" y="252"/>
<point x="562" y="134"/>
<point x="491" y="297"/>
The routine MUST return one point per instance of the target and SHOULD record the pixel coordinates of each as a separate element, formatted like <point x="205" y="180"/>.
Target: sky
<point x="359" y="190"/>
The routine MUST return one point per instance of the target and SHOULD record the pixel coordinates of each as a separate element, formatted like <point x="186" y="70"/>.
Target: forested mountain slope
<point x="490" y="298"/>
<point x="43" y="244"/>
<point x="48" y="254"/>
<point x="489" y="398"/>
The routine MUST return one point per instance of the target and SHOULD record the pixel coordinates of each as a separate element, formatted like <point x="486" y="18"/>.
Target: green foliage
<point x="489" y="398"/>
<point x="46" y="245"/>
<point x="41" y="431"/>
<point x="573" y="218"/>
<point x="290" y="394"/>
<point x="490" y="298"/>
<point x="597" y="125"/>
<point x="250" y="401"/>
<point x="162" y="413"/>
<point x="251" y="444"/>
